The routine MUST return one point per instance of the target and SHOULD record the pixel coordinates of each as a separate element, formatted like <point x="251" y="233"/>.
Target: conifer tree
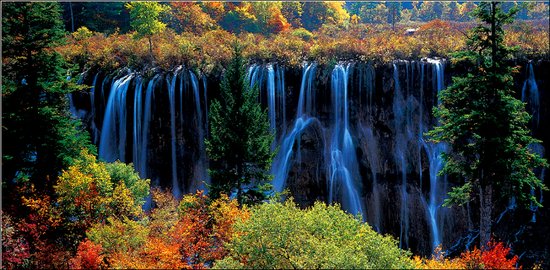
<point x="40" y="138"/>
<point x="486" y="126"/>
<point x="240" y="139"/>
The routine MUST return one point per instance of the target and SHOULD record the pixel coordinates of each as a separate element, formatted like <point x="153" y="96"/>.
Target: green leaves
<point x="280" y="235"/>
<point x="145" y="17"/>
<point x="483" y="122"/>
<point x="240" y="141"/>
<point x="90" y="191"/>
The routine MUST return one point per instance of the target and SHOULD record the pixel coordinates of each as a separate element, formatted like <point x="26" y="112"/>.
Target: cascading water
<point x="95" y="130"/>
<point x="113" y="141"/>
<point x="401" y="128"/>
<point x="434" y="151"/>
<point x="274" y="87"/>
<point x="343" y="131"/>
<point x="200" y="168"/>
<point x="142" y="119"/>
<point x="113" y="134"/>
<point x="304" y="117"/>
<point x="272" y="110"/>
<point x="344" y="171"/>
<point x="172" y="98"/>
<point x="367" y="85"/>
<point x="530" y="95"/>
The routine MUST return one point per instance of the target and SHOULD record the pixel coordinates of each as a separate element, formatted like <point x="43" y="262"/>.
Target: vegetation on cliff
<point x="200" y="35"/>
<point x="64" y="208"/>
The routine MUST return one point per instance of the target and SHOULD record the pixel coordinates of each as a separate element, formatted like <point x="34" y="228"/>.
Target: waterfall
<point x="399" y="110"/>
<point x="200" y="166"/>
<point x="272" y="110"/>
<point x="367" y="84"/>
<point x="142" y="119"/>
<point x="274" y="87"/>
<point x="282" y="162"/>
<point x="138" y="127"/>
<point x="172" y="98"/>
<point x="434" y="151"/>
<point x="530" y="95"/>
<point x="281" y="107"/>
<point x="95" y="130"/>
<point x="344" y="170"/>
<point x="112" y="145"/>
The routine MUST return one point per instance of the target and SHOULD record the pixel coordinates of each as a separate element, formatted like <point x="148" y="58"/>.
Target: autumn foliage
<point x="208" y="47"/>
<point x="88" y="256"/>
<point x="497" y="256"/>
<point x="188" y="234"/>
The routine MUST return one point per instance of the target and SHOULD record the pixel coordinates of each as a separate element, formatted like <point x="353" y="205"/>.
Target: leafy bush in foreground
<point x="280" y="235"/>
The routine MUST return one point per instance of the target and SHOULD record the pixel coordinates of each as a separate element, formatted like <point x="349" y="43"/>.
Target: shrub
<point x="280" y="235"/>
<point x="495" y="257"/>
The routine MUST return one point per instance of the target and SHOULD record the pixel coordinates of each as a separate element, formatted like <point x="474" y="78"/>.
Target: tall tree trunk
<point x="485" y="217"/>
<point x="151" y="48"/>
<point x="72" y="17"/>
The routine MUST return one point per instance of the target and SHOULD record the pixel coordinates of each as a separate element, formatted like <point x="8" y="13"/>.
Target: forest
<point x="277" y="134"/>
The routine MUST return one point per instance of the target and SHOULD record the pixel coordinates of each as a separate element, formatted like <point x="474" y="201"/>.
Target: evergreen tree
<point x="394" y="13"/>
<point x="240" y="139"/>
<point x="39" y="136"/>
<point x="486" y="126"/>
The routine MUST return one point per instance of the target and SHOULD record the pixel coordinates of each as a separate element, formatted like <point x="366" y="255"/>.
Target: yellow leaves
<point x="123" y="202"/>
<point x="209" y="48"/>
<point x="245" y="10"/>
<point x="82" y="33"/>
<point x="278" y="235"/>
<point x="86" y="190"/>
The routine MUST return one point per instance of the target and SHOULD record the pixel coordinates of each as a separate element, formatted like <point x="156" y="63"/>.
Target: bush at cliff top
<point x="280" y="235"/>
<point x="210" y="50"/>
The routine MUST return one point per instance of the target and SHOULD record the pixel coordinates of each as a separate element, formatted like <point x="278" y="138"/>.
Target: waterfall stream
<point x="344" y="171"/>
<point x="366" y="129"/>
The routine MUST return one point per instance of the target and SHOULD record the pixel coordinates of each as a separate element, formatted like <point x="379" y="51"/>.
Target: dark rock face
<point x="390" y="107"/>
<point x="306" y="182"/>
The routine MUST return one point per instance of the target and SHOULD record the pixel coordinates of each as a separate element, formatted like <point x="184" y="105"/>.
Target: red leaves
<point x="15" y="249"/>
<point x="88" y="256"/>
<point x="495" y="257"/>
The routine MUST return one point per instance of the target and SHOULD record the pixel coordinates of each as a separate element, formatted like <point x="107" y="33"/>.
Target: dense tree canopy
<point x="36" y="122"/>
<point x="485" y="125"/>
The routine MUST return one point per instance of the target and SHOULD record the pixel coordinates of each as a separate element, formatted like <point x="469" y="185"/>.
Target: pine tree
<point x="240" y="139"/>
<point x="40" y="138"/>
<point x="486" y="126"/>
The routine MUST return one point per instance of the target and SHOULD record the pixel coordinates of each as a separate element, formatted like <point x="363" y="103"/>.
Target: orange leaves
<point x="88" y="256"/>
<point x="191" y="17"/>
<point x="204" y="228"/>
<point x="435" y="24"/>
<point x="277" y="23"/>
<point x="495" y="257"/>
<point x="191" y="235"/>
<point x="208" y="47"/>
